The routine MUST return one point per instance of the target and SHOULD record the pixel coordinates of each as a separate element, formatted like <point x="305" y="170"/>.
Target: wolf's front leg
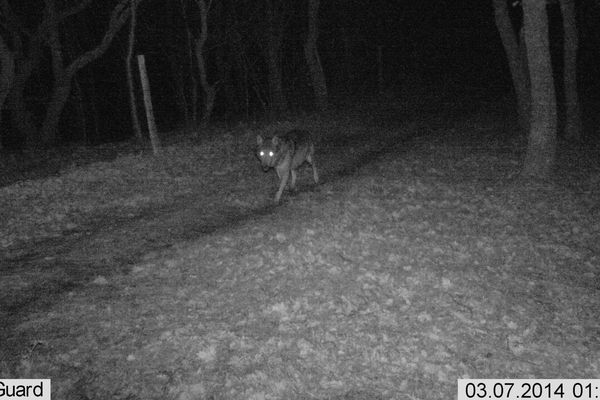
<point x="284" y="176"/>
<point x="311" y="160"/>
<point x="315" y="173"/>
<point x="293" y="182"/>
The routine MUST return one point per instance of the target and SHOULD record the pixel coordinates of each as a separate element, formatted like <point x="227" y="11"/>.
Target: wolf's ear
<point x="259" y="140"/>
<point x="275" y="140"/>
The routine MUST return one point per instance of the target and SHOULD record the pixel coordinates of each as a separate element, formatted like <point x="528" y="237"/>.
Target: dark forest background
<point x="376" y="48"/>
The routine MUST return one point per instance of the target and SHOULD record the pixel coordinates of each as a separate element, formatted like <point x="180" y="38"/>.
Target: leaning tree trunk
<point x="541" y="146"/>
<point x="7" y="76"/>
<point x="312" y="57"/>
<point x="516" y="62"/>
<point x="193" y="85"/>
<point x="573" y="111"/>
<point x="135" y="119"/>
<point x="208" y="89"/>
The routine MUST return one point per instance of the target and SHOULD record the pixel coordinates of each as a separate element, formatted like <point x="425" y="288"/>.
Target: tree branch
<point x="119" y="16"/>
<point x="50" y="24"/>
<point x="74" y="10"/>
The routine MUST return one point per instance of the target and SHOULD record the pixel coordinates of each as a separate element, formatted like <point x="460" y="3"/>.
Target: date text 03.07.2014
<point x="537" y="389"/>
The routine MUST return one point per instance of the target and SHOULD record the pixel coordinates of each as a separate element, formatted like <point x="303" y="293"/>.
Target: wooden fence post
<point x="154" y="139"/>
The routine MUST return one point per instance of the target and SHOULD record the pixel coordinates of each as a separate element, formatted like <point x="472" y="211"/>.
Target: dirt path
<point x="110" y="244"/>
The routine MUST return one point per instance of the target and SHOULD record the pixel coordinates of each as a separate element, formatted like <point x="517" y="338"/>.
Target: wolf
<point x="286" y="153"/>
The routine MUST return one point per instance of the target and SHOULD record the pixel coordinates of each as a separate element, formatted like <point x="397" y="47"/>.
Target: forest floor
<point x="419" y="259"/>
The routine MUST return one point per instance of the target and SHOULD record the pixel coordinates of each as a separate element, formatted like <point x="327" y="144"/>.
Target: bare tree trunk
<point x="193" y="116"/>
<point x="238" y="56"/>
<point x="63" y="76"/>
<point x="177" y="66"/>
<point x="135" y="119"/>
<point x="78" y="97"/>
<point x="312" y="57"/>
<point x="380" y="70"/>
<point x="208" y="89"/>
<point x="224" y="73"/>
<point x="517" y="63"/>
<point x="256" y="86"/>
<point x="7" y="76"/>
<point x="26" y="61"/>
<point x="571" y="42"/>
<point x="61" y="87"/>
<point x="179" y="91"/>
<point x="272" y="49"/>
<point x="21" y="117"/>
<point x="80" y="106"/>
<point x="60" y="94"/>
<point x="7" y="73"/>
<point x="347" y="58"/>
<point x="278" y="103"/>
<point x="541" y="147"/>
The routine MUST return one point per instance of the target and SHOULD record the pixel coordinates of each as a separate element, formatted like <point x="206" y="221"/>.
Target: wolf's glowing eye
<point x="271" y="154"/>
<point x="262" y="153"/>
